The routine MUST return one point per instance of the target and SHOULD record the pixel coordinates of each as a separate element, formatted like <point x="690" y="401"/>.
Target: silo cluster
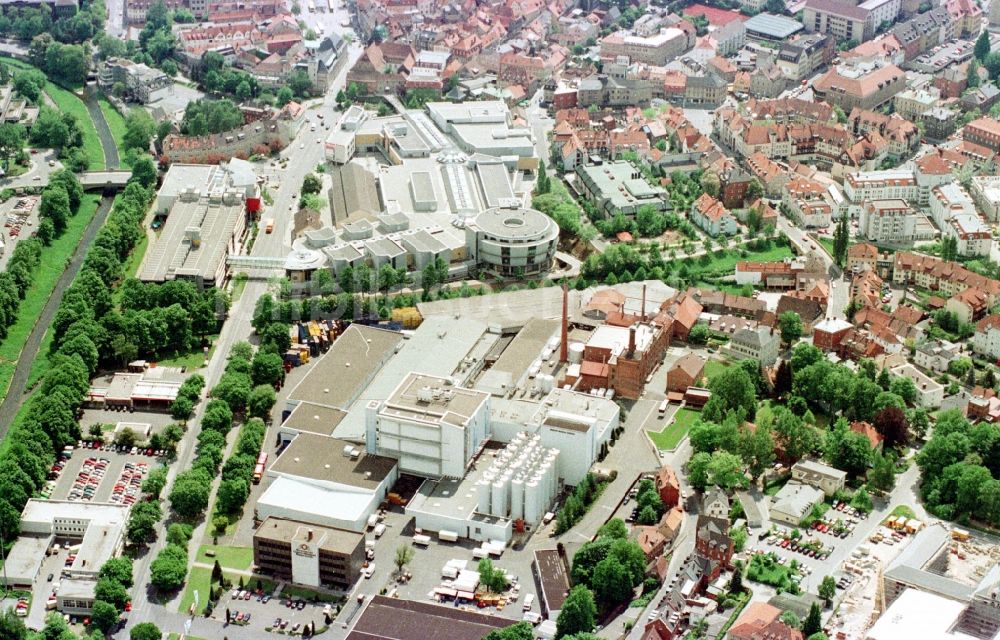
<point x="522" y="481"/>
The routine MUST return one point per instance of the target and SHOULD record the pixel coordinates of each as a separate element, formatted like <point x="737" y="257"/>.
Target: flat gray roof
<point x="449" y="340"/>
<point x="293" y="531"/>
<point x="515" y="224"/>
<point x="495" y="181"/>
<point x="773" y="25"/>
<point x="430" y="398"/>
<point x="423" y="187"/>
<point x="321" y="458"/>
<point x="529" y="342"/>
<point x="343" y="372"/>
<point x="314" y="418"/>
<point x="174" y="253"/>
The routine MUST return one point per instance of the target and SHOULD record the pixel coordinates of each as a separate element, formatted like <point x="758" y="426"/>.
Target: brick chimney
<point x="564" y="343"/>
<point x="631" y="340"/>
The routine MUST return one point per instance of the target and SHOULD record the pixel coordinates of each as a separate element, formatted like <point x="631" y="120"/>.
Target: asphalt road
<point x="38" y="174"/>
<point x="303" y="155"/>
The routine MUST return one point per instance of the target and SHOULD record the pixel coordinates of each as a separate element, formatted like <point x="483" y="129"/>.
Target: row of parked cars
<point x="100" y="445"/>
<point x="88" y="479"/>
<point x="129" y="486"/>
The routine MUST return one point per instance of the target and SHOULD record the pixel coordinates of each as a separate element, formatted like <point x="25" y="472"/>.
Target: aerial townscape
<point x="500" y="319"/>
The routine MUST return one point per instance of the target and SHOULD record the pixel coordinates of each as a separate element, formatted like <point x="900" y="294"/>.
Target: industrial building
<point x="142" y="387"/>
<point x="396" y="619"/>
<point x="618" y="187"/>
<point x="429" y="425"/>
<point x="97" y="528"/>
<point x="519" y="484"/>
<point x="328" y="482"/>
<point x="308" y="554"/>
<point x="440" y="184"/>
<point x="205" y="209"/>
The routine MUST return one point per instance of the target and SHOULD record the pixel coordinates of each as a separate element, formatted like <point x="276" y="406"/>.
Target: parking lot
<point x="101" y="475"/>
<point x="260" y="609"/>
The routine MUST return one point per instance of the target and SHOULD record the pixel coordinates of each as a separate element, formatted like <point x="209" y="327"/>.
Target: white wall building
<point x="930" y="393"/>
<point x="890" y="222"/>
<point x="986" y="340"/>
<point x="985" y="190"/>
<point x="432" y="427"/>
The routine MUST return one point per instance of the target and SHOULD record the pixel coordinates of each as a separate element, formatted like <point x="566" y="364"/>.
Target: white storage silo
<point x="576" y="352"/>
<point x="499" y="499"/>
<point x="517" y="498"/>
<point x="531" y="502"/>
<point x="483" y="496"/>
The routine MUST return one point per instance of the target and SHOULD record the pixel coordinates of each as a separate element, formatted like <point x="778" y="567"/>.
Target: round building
<point x="512" y="241"/>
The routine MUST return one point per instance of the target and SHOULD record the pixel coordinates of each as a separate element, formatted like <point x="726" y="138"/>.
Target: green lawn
<point x="194" y="359"/>
<point x="116" y="122"/>
<point x="673" y="433"/>
<point x="198" y="580"/>
<point x="714" y="368"/>
<point x="827" y="243"/>
<point x="229" y="557"/>
<point x="727" y="263"/>
<point x="131" y="266"/>
<point x="765" y="569"/>
<point x="67" y="102"/>
<point x="52" y="265"/>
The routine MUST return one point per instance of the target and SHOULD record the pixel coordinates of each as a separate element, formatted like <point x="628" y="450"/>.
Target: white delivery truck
<point x="528" y="601"/>
<point x="372" y="521"/>
<point x="421" y="540"/>
<point x="479" y="553"/>
<point x="447" y="536"/>
<point x="379" y="530"/>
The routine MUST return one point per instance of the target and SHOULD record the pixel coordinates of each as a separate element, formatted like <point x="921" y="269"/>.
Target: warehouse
<point x="327" y="482"/>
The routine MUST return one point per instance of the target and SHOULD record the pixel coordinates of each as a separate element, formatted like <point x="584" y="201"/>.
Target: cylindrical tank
<point x="576" y="352"/>
<point x="517" y="499"/>
<point x="498" y="499"/>
<point x="483" y="495"/>
<point x="531" y="502"/>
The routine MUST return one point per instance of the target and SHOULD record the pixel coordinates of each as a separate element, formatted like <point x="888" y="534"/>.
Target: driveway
<point x="38" y="174"/>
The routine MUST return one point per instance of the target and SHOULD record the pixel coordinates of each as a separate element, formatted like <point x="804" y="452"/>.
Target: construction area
<point x="959" y="558"/>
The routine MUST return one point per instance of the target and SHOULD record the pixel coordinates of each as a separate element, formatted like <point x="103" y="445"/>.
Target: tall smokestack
<point x="564" y="344"/>
<point x="631" y="340"/>
<point x="643" y="311"/>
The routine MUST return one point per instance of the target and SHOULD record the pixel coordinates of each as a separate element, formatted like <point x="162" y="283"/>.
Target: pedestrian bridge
<point x="255" y="262"/>
<point x="104" y="179"/>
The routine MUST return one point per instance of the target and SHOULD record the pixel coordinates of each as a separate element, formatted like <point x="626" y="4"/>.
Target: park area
<point x="671" y="435"/>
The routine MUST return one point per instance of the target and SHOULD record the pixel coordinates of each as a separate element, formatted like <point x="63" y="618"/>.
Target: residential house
<point x="986" y="340"/>
<point x="761" y="621"/>
<point x="668" y="486"/>
<point x="712" y="540"/>
<point x="862" y="84"/>
<point x="715" y="504"/>
<point x="868" y="431"/>
<point x="969" y="305"/>
<point x="819" y="475"/>
<point x="934" y="355"/>
<point x="793" y="502"/>
<point x="712" y="217"/>
<point x="761" y="344"/>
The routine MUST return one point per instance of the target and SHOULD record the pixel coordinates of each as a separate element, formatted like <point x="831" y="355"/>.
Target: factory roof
<point x="553" y="578"/>
<point x="353" y="360"/>
<point x="314" y="418"/>
<point x="916" y="614"/>
<point x="327" y="538"/>
<point x="772" y="25"/>
<point x="423" y="398"/>
<point x="322" y="459"/>
<point x="299" y="496"/>
<point x="96" y="513"/>
<point x="195" y="238"/>
<point x="394" y="619"/>
<point x="516" y="359"/>
<point x="451" y="341"/>
<point x="909" y="565"/>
